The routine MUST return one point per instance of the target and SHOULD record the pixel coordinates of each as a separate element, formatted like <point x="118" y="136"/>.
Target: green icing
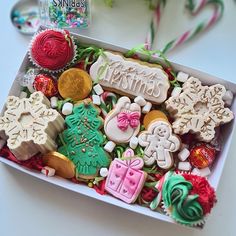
<point x="184" y="208"/>
<point x="82" y="140"/>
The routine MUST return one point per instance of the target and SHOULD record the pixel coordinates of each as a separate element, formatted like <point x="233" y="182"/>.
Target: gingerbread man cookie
<point x="131" y="77"/>
<point x="123" y="122"/>
<point x="160" y="143"/>
<point x="31" y="126"/>
<point x="199" y="109"/>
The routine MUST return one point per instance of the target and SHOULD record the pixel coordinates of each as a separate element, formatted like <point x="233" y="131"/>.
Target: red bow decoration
<point x="125" y="119"/>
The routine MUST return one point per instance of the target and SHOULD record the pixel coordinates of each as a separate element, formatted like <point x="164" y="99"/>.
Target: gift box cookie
<point x="130" y="131"/>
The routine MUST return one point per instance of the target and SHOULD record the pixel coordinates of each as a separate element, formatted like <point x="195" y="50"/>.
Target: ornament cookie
<point x="160" y="143"/>
<point x="199" y="109"/>
<point x="123" y="122"/>
<point x="131" y="77"/>
<point x="31" y="126"/>
<point x="83" y="140"/>
<point x="125" y="179"/>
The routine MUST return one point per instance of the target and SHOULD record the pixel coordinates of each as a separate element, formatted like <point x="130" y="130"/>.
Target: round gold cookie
<point x="153" y="115"/>
<point x="63" y="166"/>
<point x="75" y="84"/>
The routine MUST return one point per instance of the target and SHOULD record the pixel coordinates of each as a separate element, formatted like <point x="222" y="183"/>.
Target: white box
<point x="214" y="178"/>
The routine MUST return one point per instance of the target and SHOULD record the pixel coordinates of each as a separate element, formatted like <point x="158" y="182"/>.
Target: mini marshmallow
<point x="48" y="171"/>
<point x="133" y="143"/>
<point x="228" y="98"/>
<point x="147" y="108"/>
<point x="176" y="91"/>
<point x="183" y="154"/>
<point x="140" y="101"/>
<point x="2" y="143"/>
<point x="96" y="100"/>
<point x="184" y="165"/>
<point x="23" y="95"/>
<point x="53" y="101"/>
<point x="202" y="172"/>
<point x="109" y="147"/>
<point x="98" y="89"/>
<point x="182" y="77"/>
<point x="104" y="172"/>
<point x="67" y="108"/>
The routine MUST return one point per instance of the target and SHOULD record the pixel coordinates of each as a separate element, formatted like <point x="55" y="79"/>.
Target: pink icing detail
<point x="125" y="119"/>
<point x="125" y="179"/>
<point x="128" y="153"/>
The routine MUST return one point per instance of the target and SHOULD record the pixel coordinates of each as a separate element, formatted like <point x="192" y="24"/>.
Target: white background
<point x="29" y="207"/>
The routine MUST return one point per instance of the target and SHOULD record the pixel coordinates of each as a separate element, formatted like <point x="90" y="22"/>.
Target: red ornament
<point x="202" y="155"/>
<point x="46" y="84"/>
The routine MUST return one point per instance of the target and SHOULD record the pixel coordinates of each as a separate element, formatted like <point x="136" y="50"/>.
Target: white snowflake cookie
<point x="160" y="143"/>
<point x="199" y="109"/>
<point x="30" y="125"/>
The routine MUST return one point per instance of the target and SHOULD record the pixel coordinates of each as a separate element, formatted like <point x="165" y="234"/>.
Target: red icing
<point x="201" y="187"/>
<point x="52" y="49"/>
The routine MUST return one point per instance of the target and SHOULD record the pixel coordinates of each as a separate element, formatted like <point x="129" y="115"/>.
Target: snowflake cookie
<point x="30" y="125"/>
<point x="199" y="109"/>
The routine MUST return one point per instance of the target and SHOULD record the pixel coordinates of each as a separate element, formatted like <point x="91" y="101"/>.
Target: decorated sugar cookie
<point x="83" y="140"/>
<point x="199" y="109"/>
<point x="133" y="77"/>
<point x="31" y="126"/>
<point x="123" y="122"/>
<point x="160" y="143"/>
<point x="125" y="179"/>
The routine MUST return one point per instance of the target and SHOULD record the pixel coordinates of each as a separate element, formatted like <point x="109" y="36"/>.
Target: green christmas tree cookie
<point x="83" y="140"/>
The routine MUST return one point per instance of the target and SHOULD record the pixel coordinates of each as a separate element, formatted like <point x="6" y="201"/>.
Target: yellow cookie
<point x="63" y="166"/>
<point x="153" y="115"/>
<point x="75" y="84"/>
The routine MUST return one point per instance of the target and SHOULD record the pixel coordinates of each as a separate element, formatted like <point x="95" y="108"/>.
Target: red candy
<point x="46" y="84"/>
<point x="202" y="155"/>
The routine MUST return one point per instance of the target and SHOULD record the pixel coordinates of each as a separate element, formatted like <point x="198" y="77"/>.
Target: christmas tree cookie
<point x="83" y="140"/>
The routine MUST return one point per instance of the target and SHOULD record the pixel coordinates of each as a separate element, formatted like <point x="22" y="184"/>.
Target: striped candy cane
<point x="105" y="97"/>
<point x="194" y="6"/>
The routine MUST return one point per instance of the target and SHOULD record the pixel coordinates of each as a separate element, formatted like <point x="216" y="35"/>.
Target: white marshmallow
<point x="182" y="77"/>
<point x="133" y="143"/>
<point x="98" y="89"/>
<point x="109" y="147"/>
<point x="104" y="172"/>
<point x="2" y="143"/>
<point x="202" y="172"/>
<point x="147" y="108"/>
<point x="184" y="165"/>
<point x="140" y="101"/>
<point x="228" y="98"/>
<point x="23" y="95"/>
<point x="54" y="101"/>
<point x="48" y="171"/>
<point x="183" y="154"/>
<point x="176" y="91"/>
<point x="67" y="108"/>
<point x="96" y="100"/>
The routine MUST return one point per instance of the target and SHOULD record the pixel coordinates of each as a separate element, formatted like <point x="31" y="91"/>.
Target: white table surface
<point x="29" y="207"/>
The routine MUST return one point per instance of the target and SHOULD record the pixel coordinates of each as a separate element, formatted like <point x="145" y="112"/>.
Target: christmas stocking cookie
<point x="160" y="143"/>
<point x="123" y="122"/>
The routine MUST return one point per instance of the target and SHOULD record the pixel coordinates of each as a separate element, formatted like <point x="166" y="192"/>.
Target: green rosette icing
<point x="182" y="207"/>
<point x="83" y="141"/>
